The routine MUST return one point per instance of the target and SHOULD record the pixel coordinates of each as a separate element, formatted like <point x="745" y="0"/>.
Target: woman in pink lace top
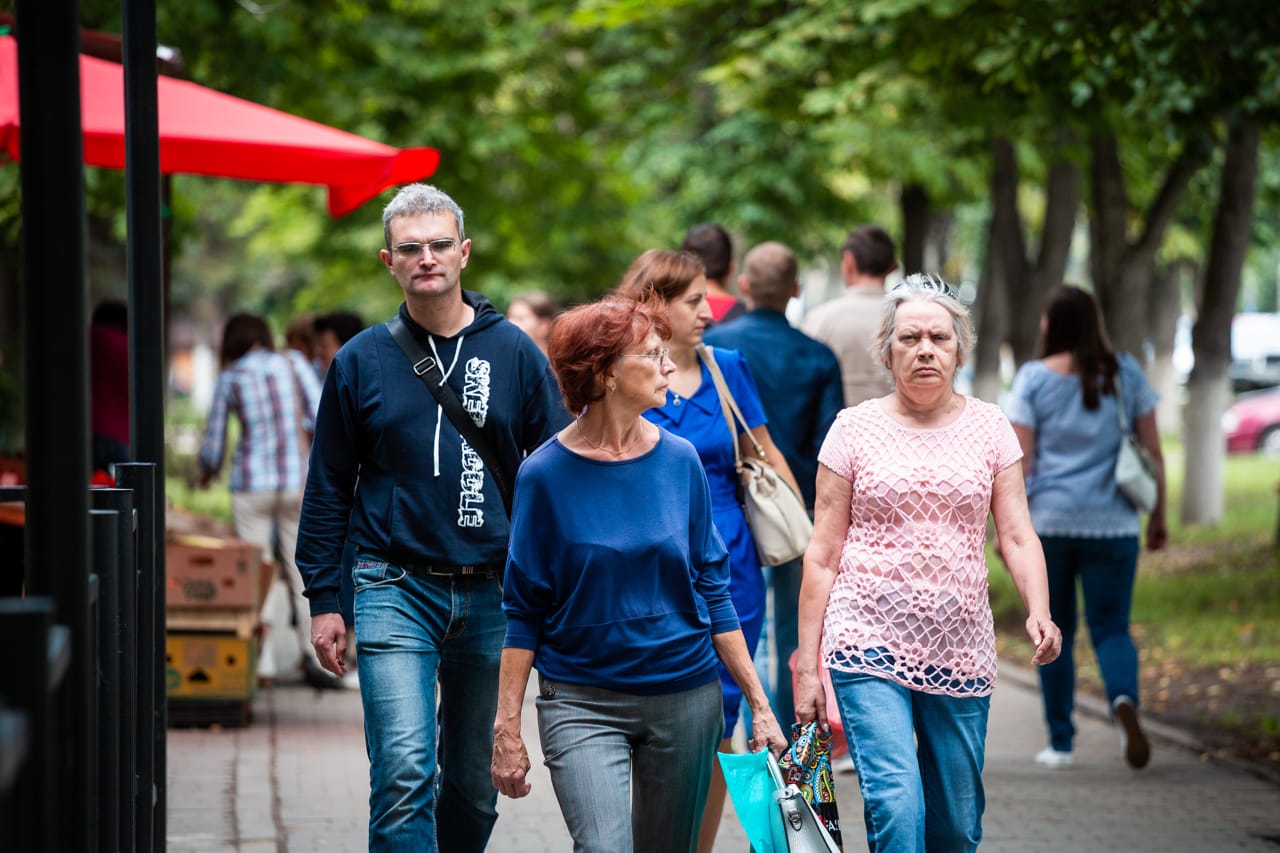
<point x="894" y="600"/>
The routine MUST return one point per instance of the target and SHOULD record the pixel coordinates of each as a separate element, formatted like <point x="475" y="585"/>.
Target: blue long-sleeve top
<point x="616" y="576"/>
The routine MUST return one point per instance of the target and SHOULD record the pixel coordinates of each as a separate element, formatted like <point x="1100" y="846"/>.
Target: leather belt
<point x="418" y="570"/>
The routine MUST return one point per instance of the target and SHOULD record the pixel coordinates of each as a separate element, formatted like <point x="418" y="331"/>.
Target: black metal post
<point x="152" y="707"/>
<point x="106" y="565"/>
<point x="120" y="501"/>
<point x="148" y="356"/>
<point x="55" y="295"/>
<point x="24" y="680"/>
<point x="143" y="236"/>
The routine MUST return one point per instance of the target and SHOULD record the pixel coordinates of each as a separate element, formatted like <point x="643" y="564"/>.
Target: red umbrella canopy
<point x="203" y="132"/>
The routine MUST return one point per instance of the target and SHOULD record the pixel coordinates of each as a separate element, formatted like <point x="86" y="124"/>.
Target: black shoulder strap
<point x="428" y="370"/>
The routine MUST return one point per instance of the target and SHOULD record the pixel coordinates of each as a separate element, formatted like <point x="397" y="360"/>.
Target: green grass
<point x="1212" y="596"/>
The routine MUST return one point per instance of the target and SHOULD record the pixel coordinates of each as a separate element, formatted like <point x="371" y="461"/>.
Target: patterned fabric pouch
<point x="807" y="765"/>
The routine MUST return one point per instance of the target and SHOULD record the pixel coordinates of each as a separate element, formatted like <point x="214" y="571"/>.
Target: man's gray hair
<point x="919" y="287"/>
<point x="419" y="198"/>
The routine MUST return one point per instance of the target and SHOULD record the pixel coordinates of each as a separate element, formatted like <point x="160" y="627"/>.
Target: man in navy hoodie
<point x="390" y="472"/>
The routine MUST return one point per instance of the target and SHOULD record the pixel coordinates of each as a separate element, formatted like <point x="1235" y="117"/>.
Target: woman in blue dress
<point x="692" y="411"/>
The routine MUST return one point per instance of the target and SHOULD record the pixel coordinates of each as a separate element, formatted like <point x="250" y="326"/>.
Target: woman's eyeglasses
<point x="658" y="355"/>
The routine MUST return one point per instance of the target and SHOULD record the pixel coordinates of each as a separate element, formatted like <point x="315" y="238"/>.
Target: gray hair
<point x="419" y="198"/>
<point x="919" y="287"/>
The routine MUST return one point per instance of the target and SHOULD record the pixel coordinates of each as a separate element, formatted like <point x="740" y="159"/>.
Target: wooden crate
<point x="207" y="571"/>
<point x="210" y="666"/>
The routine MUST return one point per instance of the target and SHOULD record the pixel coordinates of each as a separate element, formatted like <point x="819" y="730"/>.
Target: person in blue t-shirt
<point x="617" y="591"/>
<point x="692" y="410"/>
<point x="1063" y="407"/>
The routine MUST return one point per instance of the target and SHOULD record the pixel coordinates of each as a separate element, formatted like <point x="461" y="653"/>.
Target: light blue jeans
<point x="412" y="635"/>
<point x="919" y="758"/>
<point x="1104" y="569"/>
<point x="630" y="772"/>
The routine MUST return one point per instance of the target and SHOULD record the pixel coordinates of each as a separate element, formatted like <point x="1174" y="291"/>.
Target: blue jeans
<point x="1105" y="570"/>
<point x="413" y="634"/>
<point x="916" y="798"/>
<point x="630" y="772"/>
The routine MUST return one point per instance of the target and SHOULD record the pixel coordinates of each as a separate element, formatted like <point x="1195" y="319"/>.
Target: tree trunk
<point x="990" y="312"/>
<point x="1211" y="336"/>
<point x="914" y="200"/>
<point x="1062" y="201"/>
<point x="1164" y="307"/>
<point x="937" y="249"/>
<point x="1006" y="248"/>
<point x="1121" y="269"/>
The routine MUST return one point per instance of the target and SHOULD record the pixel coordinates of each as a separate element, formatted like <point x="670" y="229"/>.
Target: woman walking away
<point x="691" y="409"/>
<point x="275" y="402"/>
<point x="894" y="598"/>
<point x="617" y="590"/>
<point x="1064" y="411"/>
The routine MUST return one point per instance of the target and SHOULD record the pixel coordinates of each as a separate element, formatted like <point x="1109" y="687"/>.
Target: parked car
<point x="1253" y="423"/>
<point x="1252" y="374"/>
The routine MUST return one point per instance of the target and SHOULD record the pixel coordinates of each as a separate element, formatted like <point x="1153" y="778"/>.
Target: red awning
<point x="203" y="132"/>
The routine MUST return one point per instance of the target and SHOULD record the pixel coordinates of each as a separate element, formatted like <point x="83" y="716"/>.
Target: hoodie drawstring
<point x="435" y="452"/>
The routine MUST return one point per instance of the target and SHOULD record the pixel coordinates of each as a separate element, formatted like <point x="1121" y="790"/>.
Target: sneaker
<point x="1137" y="751"/>
<point x="1051" y="757"/>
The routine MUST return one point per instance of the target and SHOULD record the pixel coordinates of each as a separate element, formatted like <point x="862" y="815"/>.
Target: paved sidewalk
<point x="297" y="780"/>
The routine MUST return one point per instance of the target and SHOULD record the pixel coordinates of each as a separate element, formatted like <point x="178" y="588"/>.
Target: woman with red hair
<point x="617" y="591"/>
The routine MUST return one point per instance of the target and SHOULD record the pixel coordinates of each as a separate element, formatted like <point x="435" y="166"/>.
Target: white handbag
<point x="779" y="522"/>
<point x="795" y="828"/>
<point x="1135" y="469"/>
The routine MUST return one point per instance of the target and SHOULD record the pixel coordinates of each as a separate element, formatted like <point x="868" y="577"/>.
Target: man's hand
<point x="329" y="636"/>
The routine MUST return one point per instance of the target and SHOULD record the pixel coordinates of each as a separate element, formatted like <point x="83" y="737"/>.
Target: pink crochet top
<point x="910" y="601"/>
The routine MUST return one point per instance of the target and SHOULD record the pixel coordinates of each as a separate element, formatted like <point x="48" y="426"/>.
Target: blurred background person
<point x="710" y="242"/>
<point x="894" y="601"/>
<point x="847" y="323"/>
<point x="1063" y="406"/>
<point x="617" y="590"/>
<point x="799" y="383"/>
<point x="332" y="330"/>
<point x="273" y="403"/>
<point x="109" y="384"/>
<point x="533" y="312"/>
<point x="300" y="340"/>
<point x="691" y="409"/>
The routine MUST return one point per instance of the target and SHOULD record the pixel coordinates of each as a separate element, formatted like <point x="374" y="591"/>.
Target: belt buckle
<point x="469" y="570"/>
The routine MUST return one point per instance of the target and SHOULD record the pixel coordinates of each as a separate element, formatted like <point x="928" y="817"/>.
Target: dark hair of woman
<point x="661" y="273"/>
<point x="1073" y="325"/>
<point x="241" y="333"/>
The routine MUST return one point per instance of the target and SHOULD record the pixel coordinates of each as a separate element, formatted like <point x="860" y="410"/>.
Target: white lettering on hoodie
<point x="475" y="399"/>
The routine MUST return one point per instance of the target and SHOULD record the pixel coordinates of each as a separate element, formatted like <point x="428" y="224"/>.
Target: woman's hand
<point x="810" y="698"/>
<point x="510" y="765"/>
<point x="1157" y="531"/>
<point x="765" y="732"/>
<point x="1046" y="636"/>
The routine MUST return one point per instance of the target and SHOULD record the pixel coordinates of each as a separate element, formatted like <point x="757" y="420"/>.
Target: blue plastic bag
<point x="751" y="787"/>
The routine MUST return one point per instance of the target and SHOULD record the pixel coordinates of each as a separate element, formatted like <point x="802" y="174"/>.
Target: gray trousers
<point x="630" y="772"/>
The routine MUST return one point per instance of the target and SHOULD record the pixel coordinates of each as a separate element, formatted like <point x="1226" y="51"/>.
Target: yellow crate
<point x="210" y="666"/>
